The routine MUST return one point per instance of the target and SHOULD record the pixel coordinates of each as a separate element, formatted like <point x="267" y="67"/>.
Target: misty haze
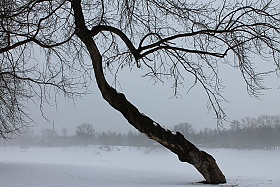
<point x="139" y="93"/>
<point x="248" y="152"/>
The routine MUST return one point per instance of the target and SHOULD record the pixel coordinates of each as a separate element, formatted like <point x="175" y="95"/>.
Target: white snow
<point x="101" y="166"/>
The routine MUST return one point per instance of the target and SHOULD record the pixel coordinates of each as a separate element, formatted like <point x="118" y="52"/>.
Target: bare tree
<point x="184" y="128"/>
<point x="86" y="133"/>
<point x="29" y="29"/>
<point x="85" y="130"/>
<point x="166" y="39"/>
<point x="64" y="132"/>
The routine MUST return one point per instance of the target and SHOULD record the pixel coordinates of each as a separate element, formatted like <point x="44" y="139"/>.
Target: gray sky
<point x="156" y="102"/>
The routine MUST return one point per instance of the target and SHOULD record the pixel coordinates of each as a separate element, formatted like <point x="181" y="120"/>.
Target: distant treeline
<point x="50" y="138"/>
<point x="261" y="132"/>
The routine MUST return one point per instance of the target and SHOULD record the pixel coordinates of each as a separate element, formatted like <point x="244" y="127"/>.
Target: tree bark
<point x="186" y="151"/>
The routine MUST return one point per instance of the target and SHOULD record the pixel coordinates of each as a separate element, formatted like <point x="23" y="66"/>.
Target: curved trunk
<point x="186" y="151"/>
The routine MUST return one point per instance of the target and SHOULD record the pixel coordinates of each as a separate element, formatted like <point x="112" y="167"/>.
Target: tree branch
<point x="97" y="29"/>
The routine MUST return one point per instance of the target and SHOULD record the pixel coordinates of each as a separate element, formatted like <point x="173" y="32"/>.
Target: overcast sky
<point x="156" y="102"/>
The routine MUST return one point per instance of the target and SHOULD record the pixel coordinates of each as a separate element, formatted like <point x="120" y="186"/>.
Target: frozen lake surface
<point x="102" y="166"/>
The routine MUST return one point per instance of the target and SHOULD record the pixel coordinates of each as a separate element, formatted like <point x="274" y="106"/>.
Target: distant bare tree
<point x="166" y="39"/>
<point x="86" y="133"/>
<point x="64" y="132"/>
<point x="184" y="128"/>
<point x="85" y="130"/>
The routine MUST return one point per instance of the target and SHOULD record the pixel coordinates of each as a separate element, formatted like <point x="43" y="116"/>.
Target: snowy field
<point x="102" y="166"/>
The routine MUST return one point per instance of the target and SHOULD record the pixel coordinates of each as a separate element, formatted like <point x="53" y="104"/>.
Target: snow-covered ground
<point x="102" y="166"/>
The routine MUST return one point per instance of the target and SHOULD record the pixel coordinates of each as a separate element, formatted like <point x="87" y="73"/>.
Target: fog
<point x="158" y="102"/>
<point x="262" y="132"/>
<point x="247" y="152"/>
<point x="120" y="166"/>
<point x="52" y="153"/>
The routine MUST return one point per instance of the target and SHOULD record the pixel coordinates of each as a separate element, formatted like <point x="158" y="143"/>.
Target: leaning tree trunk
<point x="186" y="151"/>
